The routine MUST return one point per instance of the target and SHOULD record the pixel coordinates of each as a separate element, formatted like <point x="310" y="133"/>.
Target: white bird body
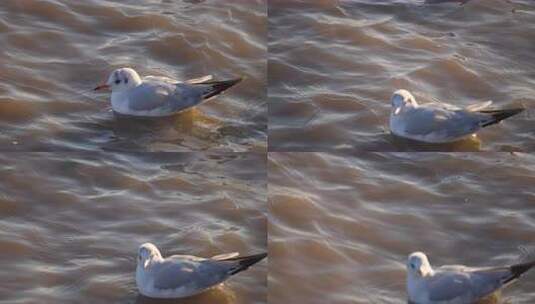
<point x="180" y="276"/>
<point x="440" y="122"/>
<point x="154" y="96"/>
<point x="456" y="284"/>
<point x="145" y="278"/>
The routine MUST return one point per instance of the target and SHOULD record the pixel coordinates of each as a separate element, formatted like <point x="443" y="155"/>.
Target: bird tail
<point x="242" y="263"/>
<point x="499" y="115"/>
<point x="519" y="269"/>
<point x="214" y="88"/>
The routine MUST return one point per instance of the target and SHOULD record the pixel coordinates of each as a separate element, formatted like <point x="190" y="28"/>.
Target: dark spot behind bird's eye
<point x="126" y="80"/>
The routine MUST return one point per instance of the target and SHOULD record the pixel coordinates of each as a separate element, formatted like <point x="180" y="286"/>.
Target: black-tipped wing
<point x="214" y="88"/>
<point x="242" y="263"/>
<point x="518" y="270"/>
<point x="498" y="115"/>
<point x="164" y="97"/>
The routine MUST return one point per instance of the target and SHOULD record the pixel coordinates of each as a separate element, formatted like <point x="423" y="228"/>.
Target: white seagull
<point x="456" y="284"/>
<point x="438" y="122"/>
<point x="155" y="96"/>
<point x="180" y="276"/>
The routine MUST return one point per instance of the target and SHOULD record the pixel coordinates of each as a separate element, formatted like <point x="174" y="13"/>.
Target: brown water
<point x="333" y="65"/>
<point x="341" y="227"/>
<point x="71" y="223"/>
<point x="54" y="52"/>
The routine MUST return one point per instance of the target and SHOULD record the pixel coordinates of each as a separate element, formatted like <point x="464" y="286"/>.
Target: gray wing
<point x="465" y="284"/>
<point x="448" y="286"/>
<point x="441" y="119"/>
<point x="200" y="79"/>
<point x="478" y="106"/>
<point x="160" y="79"/>
<point x="174" y="81"/>
<point x="191" y="274"/>
<point x="165" y="97"/>
<point x="225" y="256"/>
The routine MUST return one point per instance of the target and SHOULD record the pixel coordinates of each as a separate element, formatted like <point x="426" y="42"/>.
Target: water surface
<point x="71" y="223"/>
<point x="341" y="227"/>
<point x="54" y="52"/>
<point x="333" y="66"/>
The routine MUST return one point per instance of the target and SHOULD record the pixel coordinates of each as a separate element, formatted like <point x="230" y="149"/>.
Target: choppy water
<point x="333" y="66"/>
<point x="71" y="223"/>
<point x="345" y="225"/>
<point x="54" y="52"/>
<point x="340" y="225"/>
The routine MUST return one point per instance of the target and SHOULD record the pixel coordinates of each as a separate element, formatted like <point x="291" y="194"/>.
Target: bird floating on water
<point x="156" y="96"/>
<point x="438" y="122"/>
<point x="456" y="284"/>
<point x="180" y="276"/>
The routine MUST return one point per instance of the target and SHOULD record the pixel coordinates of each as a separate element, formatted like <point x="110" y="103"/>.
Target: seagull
<point x="181" y="276"/>
<point x="438" y="122"/>
<point x="456" y="284"/>
<point x="156" y="96"/>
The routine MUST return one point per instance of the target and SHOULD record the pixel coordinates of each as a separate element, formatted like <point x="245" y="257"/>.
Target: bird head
<point x="418" y="265"/>
<point x="146" y="253"/>
<point x="120" y="80"/>
<point x="401" y="99"/>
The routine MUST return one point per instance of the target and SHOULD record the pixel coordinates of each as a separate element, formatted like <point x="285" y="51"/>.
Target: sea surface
<point x="71" y="223"/>
<point x="334" y="64"/>
<point x="54" y="52"/>
<point x="341" y="227"/>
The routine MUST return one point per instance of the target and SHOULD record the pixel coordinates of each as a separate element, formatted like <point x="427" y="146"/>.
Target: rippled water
<point x="71" y="223"/>
<point x="333" y="66"/>
<point x="54" y="52"/>
<point x="341" y="227"/>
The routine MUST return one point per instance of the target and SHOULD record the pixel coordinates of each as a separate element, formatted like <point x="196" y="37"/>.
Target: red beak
<point x="102" y="87"/>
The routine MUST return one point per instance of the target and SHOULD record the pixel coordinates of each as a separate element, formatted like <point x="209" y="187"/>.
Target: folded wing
<point x="164" y="97"/>
<point x="190" y="276"/>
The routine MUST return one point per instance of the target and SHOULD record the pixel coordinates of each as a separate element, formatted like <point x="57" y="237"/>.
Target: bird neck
<point x="411" y="105"/>
<point x="135" y="79"/>
<point x="429" y="272"/>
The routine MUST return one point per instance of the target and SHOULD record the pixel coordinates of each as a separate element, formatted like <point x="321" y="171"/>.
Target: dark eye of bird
<point x="117" y="81"/>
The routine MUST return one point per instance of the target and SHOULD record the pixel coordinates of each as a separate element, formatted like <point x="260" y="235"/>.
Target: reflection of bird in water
<point x="220" y="294"/>
<point x="471" y="143"/>
<point x="494" y="298"/>
<point x="146" y="133"/>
